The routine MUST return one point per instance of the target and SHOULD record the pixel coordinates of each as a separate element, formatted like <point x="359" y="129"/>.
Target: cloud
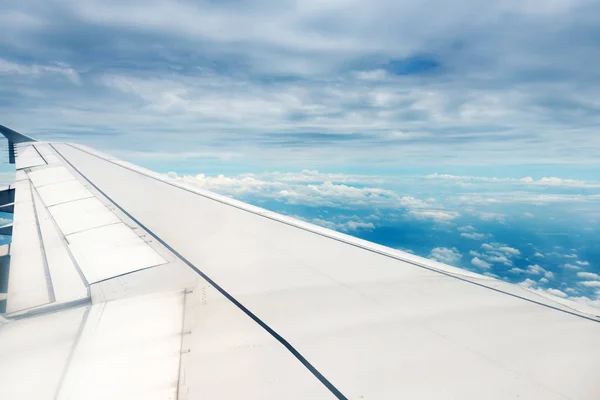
<point x="538" y="254"/>
<point x="530" y="284"/>
<point x="473" y="235"/>
<point x="592" y="284"/>
<point x="492" y="216"/>
<point x="588" y="275"/>
<point x="467" y="228"/>
<point x="316" y="189"/>
<point x="571" y="266"/>
<point x="379" y="77"/>
<point x="446" y="255"/>
<point x="533" y="270"/>
<point x="584" y="263"/>
<point x="436" y="215"/>
<point x="349" y="226"/>
<point x="545" y="181"/>
<point x="509" y="250"/>
<point x="556" y="292"/>
<point x="527" y="283"/>
<point x="12" y="68"/>
<point x="480" y="263"/>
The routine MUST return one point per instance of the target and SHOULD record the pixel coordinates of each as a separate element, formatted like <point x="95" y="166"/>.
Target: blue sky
<point x="432" y="125"/>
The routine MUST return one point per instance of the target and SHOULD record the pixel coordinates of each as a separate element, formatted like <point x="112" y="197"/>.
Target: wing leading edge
<point x="161" y="290"/>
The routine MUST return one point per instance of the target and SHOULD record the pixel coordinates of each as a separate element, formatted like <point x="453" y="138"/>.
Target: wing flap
<point x="28" y="279"/>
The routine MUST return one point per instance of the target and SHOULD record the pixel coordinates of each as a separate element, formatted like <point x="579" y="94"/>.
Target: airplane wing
<point x="125" y="284"/>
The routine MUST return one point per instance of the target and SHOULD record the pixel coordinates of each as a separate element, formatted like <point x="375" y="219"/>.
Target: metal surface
<point x="110" y="251"/>
<point x="50" y="175"/>
<point x="27" y="157"/>
<point x="63" y="192"/>
<point x="35" y="352"/>
<point x="81" y="215"/>
<point x="129" y="349"/>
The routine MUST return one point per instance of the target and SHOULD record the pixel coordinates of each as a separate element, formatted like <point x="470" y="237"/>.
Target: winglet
<point x="15" y="137"/>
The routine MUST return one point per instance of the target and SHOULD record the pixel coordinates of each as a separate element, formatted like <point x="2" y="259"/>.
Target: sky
<point x="467" y="132"/>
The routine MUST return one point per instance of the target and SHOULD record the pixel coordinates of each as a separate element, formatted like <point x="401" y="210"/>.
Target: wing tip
<point x="14" y="136"/>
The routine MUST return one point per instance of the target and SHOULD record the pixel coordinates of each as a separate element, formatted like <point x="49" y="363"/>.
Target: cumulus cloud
<point x="436" y="215"/>
<point x="531" y="285"/>
<point x="588" y="275"/>
<point x="527" y="283"/>
<point x="348" y="226"/>
<point x="480" y="263"/>
<point x="556" y="292"/>
<point x="314" y="188"/>
<point x="499" y="253"/>
<point x="446" y="255"/>
<point x="473" y="235"/>
<point x="533" y="270"/>
<point x="584" y="263"/>
<point x="592" y="284"/>
<point x="571" y="266"/>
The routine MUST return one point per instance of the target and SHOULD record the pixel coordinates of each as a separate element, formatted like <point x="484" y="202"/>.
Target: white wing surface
<point x="124" y="284"/>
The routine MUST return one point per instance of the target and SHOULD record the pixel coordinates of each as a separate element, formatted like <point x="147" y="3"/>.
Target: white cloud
<point x="349" y="226"/>
<point x="535" y="269"/>
<point x="480" y="263"/>
<point x="556" y="292"/>
<point x="588" y="275"/>
<point x="527" y="283"/>
<point x="436" y="215"/>
<point x="500" y="259"/>
<point x="532" y="270"/>
<point x="509" y="250"/>
<point x="499" y="253"/>
<point x="446" y="255"/>
<point x="570" y="256"/>
<point x="473" y="235"/>
<point x="11" y="68"/>
<point x="539" y="255"/>
<point x="571" y="266"/>
<point x="314" y="188"/>
<point x="492" y="216"/>
<point x="594" y="284"/>
<point x="545" y="181"/>
<point x="373" y="75"/>
<point x="544" y="280"/>
<point x="467" y="228"/>
<point x="584" y="263"/>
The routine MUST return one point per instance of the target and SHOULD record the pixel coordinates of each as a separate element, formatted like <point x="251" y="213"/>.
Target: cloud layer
<point x="311" y="82"/>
